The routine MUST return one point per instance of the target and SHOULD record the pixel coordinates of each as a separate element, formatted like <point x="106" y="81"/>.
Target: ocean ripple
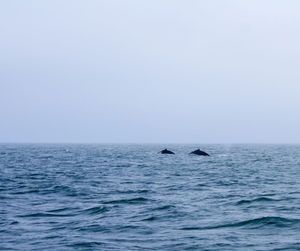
<point x="128" y="197"/>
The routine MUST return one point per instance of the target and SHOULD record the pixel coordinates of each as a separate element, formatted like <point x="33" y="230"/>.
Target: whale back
<point x="199" y="152"/>
<point x="166" y="151"/>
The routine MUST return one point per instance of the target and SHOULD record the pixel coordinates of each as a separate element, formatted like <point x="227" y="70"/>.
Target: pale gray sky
<point x="150" y="71"/>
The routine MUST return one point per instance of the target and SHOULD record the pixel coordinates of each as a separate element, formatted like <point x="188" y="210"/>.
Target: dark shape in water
<point x="166" y="151"/>
<point x="199" y="152"/>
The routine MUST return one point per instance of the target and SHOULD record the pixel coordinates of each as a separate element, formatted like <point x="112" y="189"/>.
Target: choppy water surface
<point x="128" y="197"/>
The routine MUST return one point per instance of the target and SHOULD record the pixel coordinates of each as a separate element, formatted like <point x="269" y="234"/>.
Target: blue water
<point x="128" y="197"/>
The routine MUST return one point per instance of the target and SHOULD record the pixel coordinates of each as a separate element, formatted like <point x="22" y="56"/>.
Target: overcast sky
<point x="150" y="71"/>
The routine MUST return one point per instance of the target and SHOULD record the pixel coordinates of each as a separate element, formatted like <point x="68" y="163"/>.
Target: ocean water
<point x="129" y="197"/>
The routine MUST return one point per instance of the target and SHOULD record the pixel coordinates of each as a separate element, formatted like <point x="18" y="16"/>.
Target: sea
<point x="130" y="197"/>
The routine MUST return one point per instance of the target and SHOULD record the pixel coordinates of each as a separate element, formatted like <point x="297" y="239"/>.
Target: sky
<point x="150" y="71"/>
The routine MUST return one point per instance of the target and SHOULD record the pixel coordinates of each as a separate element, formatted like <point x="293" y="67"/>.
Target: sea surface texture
<point x="129" y="197"/>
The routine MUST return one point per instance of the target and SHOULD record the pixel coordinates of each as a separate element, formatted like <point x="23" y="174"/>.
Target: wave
<point x="90" y="211"/>
<point x="91" y="244"/>
<point x="127" y="201"/>
<point x="260" y="199"/>
<point x="46" y="156"/>
<point x="26" y="192"/>
<point x="253" y="223"/>
<point x="166" y="207"/>
<point x="152" y="218"/>
<point x="59" y="210"/>
<point x="45" y="215"/>
<point x="132" y="191"/>
<point x="96" y="228"/>
<point x="95" y="210"/>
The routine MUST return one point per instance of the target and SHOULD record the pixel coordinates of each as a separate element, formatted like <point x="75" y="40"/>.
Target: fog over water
<point x="150" y="71"/>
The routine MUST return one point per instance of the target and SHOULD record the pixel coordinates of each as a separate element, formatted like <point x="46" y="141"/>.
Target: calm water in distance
<point x="129" y="197"/>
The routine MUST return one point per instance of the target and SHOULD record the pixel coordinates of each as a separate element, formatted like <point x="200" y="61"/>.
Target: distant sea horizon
<point x="154" y="143"/>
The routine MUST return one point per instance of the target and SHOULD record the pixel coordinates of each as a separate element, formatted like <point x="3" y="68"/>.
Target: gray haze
<point x="150" y="71"/>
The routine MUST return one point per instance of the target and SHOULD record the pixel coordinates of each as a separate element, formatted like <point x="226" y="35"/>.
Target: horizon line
<point x="154" y="143"/>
